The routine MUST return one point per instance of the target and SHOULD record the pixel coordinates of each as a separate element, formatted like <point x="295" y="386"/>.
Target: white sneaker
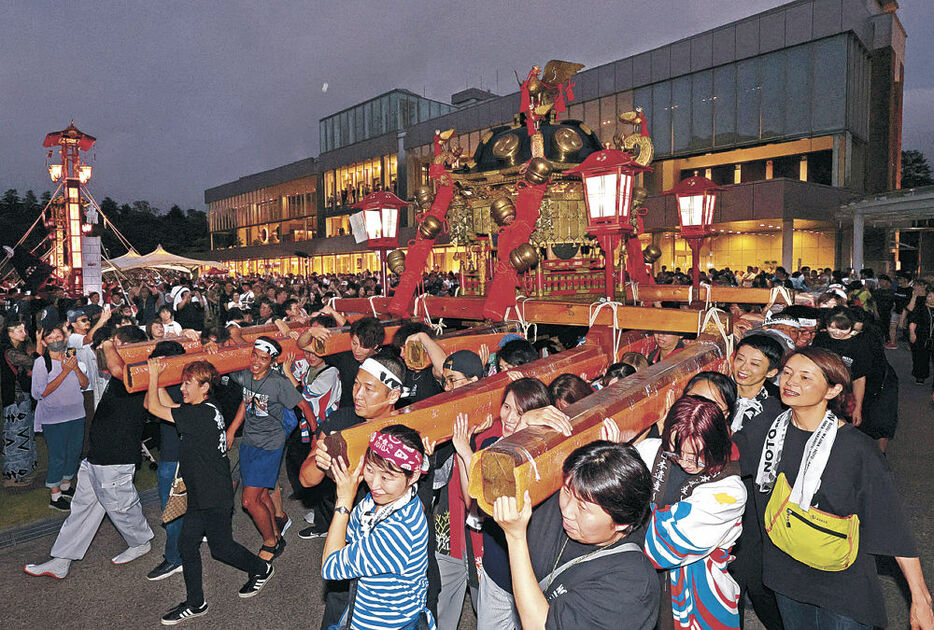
<point x="132" y="553"/>
<point x="56" y="567"/>
<point x="310" y="518"/>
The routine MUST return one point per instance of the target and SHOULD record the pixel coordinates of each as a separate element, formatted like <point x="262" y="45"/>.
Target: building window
<point x="681" y="113"/>
<point x="748" y="97"/>
<point x="797" y="90"/>
<point x="772" y="80"/>
<point x="702" y="110"/>
<point x="661" y="118"/>
<point x="828" y="103"/>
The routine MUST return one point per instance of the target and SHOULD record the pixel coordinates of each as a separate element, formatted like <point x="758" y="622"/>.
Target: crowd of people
<point x="767" y="486"/>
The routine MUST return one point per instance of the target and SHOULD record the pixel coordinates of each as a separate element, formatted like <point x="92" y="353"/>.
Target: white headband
<point x="265" y="346"/>
<point x="387" y="378"/>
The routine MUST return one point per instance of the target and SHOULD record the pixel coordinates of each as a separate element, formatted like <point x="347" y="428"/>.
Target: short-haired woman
<point x="202" y="458"/>
<point x="382" y="543"/>
<point x="586" y="568"/>
<point x="827" y="499"/>
<point x="697" y="510"/>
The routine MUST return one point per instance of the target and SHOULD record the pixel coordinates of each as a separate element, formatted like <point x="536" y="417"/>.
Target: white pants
<point x="102" y="490"/>
<point x="496" y="609"/>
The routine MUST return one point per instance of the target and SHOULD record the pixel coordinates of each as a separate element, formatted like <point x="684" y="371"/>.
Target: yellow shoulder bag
<point x="818" y="539"/>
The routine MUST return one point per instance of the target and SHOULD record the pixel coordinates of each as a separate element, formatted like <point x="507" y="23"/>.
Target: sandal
<point x="270" y="550"/>
<point x="279" y="548"/>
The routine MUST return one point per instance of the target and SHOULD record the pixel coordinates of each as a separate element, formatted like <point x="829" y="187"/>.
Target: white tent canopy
<point x="160" y="258"/>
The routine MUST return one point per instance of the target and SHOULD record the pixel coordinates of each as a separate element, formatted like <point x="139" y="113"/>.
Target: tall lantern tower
<point x="76" y="255"/>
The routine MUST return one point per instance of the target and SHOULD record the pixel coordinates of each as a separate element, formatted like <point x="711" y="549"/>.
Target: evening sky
<point x="183" y="96"/>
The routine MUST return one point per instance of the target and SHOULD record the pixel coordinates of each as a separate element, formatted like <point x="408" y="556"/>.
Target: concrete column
<point x="858" y="227"/>
<point x="788" y="240"/>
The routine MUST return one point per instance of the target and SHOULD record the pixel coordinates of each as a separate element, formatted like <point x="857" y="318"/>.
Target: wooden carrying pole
<point x="532" y="459"/>
<point x="229" y="358"/>
<point x="434" y="417"/>
<point x="136" y="352"/>
<point x="717" y="294"/>
<point x="550" y="312"/>
<point x="237" y="357"/>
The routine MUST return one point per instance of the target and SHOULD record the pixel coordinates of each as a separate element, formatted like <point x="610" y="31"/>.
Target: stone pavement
<point x="98" y="594"/>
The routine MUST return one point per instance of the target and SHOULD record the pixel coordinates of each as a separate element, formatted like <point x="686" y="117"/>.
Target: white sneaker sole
<point x="48" y="573"/>
<point x="122" y="562"/>
<point x="175" y="622"/>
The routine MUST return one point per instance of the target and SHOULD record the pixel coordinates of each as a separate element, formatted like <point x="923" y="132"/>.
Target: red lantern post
<point x="381" y="220"/>
<point x="608" y="177"/>
<point x="697" y="200"/>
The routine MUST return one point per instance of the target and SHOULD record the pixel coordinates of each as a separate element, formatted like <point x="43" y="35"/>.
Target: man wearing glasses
<point x="80" y="337"/>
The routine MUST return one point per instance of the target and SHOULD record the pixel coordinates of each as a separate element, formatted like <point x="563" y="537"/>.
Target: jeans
<point x="216" y="525"/>
<point x="166" y="475"/>
<point x="64" y="440"/>
<point x="800" y="616"/>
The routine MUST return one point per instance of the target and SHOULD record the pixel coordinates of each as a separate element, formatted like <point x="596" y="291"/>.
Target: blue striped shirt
<point x="391" y="564"/>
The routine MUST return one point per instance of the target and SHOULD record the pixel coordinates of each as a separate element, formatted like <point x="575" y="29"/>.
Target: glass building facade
<point x="393" y="111"/>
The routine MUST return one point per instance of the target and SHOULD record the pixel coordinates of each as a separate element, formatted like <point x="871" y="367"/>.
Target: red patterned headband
<point x="395" y="450"/>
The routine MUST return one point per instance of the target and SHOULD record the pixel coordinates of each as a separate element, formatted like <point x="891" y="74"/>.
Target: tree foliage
<point x="916" y="171"/>
<point x="143" y="225"/>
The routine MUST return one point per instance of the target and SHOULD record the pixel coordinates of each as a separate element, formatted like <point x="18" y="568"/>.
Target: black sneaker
<point x="164" y="570"/>
<point x="283" y="523"/>
<point x="183" y="612"/>
<point x="69" y="494"/>
<point x="60" y="504"/>
<point x="256" y="582"/>
<point x="312" y="532"/>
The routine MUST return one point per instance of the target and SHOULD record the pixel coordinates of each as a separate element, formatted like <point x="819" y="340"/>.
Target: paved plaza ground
<point x="98" y="594"/>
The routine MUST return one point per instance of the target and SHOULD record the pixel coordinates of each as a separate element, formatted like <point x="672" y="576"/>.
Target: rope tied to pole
<point x="617" y="331"/>
<point x="713" y="316"/>
<point x="437" y="327"/>
<point x="523" y="323"/>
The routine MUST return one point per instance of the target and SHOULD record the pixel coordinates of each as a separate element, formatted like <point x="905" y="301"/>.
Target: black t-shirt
<point x="422" y="384"/>
<point x="922" y="317"/>
<point x="228" y="396"/>
<point x="902" y="296"/>
<point x="203" y="456"/>
<point x="168" y="446"/>
<point x="856" y="480"/>
<point x="858" y="355"/>
<point x="348" y="366"/>
<point x="617" y="591"/>
<point x="117" y="427"/>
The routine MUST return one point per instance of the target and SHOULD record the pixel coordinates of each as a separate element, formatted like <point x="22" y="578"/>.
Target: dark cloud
<point x="184" y="96"/>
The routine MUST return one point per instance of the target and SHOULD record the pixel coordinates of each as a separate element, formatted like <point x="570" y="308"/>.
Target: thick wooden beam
<point x="532" y="459"/>
<point x="543" y="311"/>
<point x="718" y="294"/>
<point x="231" y="358"/>
<point x="434" y="417"/>
<point x="136" y="352"/>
